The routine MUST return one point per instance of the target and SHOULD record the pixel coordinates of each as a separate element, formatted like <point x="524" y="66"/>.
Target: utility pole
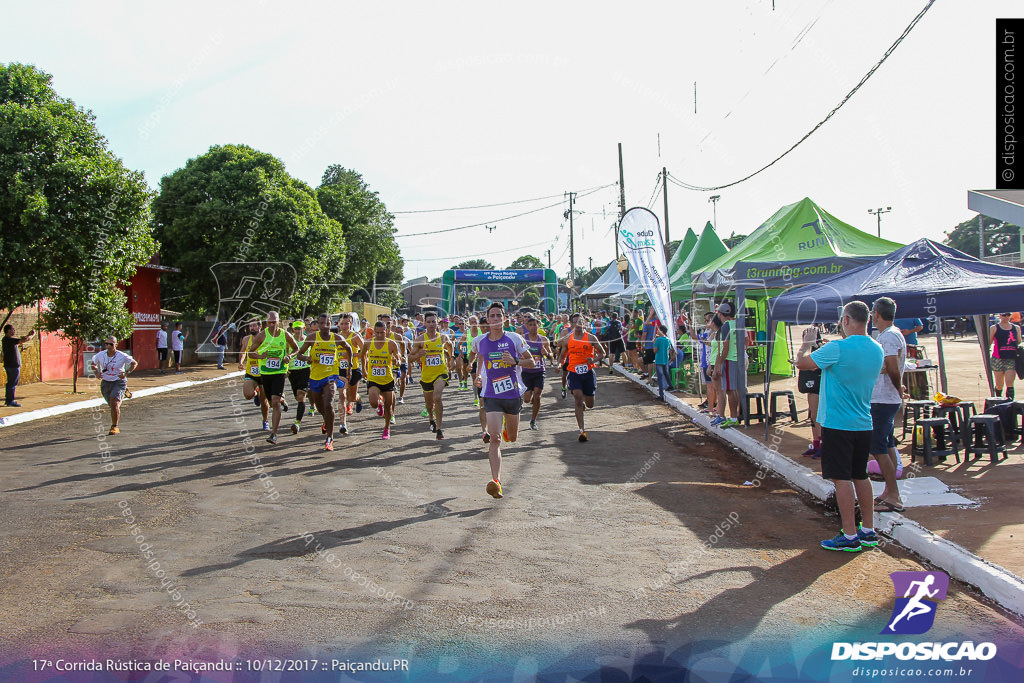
<point x="981" y="238"/>
<point x="591" y="259"/>
<point x="549" y="259"/>
<point x="664" y="194"/>
<point x="622" y="203"/>
<point x="878" y="212"/>
<point x="572" y="244"/>
<point x="714" y="209"/>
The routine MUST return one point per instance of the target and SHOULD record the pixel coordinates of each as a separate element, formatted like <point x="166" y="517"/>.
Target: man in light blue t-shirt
<point x="849" y="368"/>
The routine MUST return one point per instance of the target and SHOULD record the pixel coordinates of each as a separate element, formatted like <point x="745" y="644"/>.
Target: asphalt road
<point x="176" y="541"/>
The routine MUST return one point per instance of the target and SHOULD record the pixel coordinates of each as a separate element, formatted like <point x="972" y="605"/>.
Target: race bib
<point x="273" y="364"/>
<point x="581" y="369"/>
<point x="326" y="359"/>
<point x="433" y="361"/>
<point x="299" y="364"/>
<point x="503" y="385"/>
<point x="378" y="372"/>
<point x="254" y="371"/>
<point x="343" y="365"/>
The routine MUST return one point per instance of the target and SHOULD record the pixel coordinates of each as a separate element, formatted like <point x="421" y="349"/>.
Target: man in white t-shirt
<point x="161" y="347"/>
<point x="178" y="345"/>
<point x="112" y="367"/>
<point x="886" y="399"/>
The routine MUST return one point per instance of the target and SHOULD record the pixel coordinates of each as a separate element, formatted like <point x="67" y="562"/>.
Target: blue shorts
<point x="587" y="383"/>
<point x="341" y="383"/>
<point x="533" y="380"/>
<point x="318" y="385"/>
<point x="883" y="415"/>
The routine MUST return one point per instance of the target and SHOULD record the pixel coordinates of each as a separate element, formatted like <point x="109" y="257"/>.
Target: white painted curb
<point x="92" y="402"/>
<point x="999" y="584"/>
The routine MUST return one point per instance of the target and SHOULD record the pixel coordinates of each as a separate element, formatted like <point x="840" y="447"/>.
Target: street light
<point x="878" y="212"/>
<point x="714" y="208"/>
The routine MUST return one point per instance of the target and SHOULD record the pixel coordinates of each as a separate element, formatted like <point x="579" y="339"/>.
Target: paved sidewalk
<point x="44" y="399"/>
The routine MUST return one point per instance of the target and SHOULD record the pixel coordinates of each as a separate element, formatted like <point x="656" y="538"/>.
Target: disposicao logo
<point x="917" y="598"/>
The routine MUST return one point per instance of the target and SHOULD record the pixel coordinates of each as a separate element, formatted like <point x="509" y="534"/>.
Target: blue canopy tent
<point x="925" y="279"/>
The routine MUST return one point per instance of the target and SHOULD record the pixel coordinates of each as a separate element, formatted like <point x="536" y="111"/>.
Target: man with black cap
<point x="729" y="367"/>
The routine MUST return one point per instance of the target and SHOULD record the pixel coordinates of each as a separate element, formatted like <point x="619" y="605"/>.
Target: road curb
<point x="997" y="583"/>
<point x="41" y="413"/>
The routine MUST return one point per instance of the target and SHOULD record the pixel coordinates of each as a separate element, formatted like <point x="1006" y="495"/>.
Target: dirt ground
<point x="643" y="540"/>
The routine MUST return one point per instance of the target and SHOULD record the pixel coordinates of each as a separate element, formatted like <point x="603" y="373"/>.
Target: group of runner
<point x="504" y="358"/>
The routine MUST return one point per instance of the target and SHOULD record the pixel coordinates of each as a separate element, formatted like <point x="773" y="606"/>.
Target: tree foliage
<point x="1000" y="237"/>
<point x="474" y="264"/>
<point x="526" y="262"/>
<point x="70" y="212"/>
<point x="238" y="204"/>
<point x="368" y="226"/>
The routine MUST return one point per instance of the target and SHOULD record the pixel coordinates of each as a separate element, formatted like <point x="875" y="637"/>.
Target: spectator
<point x="1005" y="340"/>
<point x="647" y="344"/>
<point x="663" y="355"/>
<point x="728" y="367"/>
<point x="112" y="367"/>
<point x="809" y="382"/>
<point x="703" y="347"/>
<point x="716" y="397"/>
<point x="909" y="327"/>
<point x="12" y="346"/>
<point x="886" y="399"/>
<point x="161" y="348"/>
<point x="614" y="335"/>
<point x="849" y="368"/>
<point x="178" y="346"/>
<point x="220" y="340"/>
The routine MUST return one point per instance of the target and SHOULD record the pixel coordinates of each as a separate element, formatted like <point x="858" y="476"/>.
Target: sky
<point x="447" y="105"/>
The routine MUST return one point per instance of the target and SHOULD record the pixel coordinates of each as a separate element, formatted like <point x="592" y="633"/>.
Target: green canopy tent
<point x="706" y="249"/>
<point x="799" y="244"/>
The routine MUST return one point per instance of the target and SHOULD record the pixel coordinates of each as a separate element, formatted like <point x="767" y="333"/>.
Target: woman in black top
<point x="1005" y="338"/>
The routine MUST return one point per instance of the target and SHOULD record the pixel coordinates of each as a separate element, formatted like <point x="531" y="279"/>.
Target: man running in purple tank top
<point x="501" y="356"/>
<point x="533" y="380"/>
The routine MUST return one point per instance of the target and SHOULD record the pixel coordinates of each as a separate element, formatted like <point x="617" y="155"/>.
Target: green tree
<point x="235" y="203"/>
<point x="732" y="240"/>
<point x="369" y="228"/>
<point x="70" y="212"/>
<point x="85" y="311"/>
<point x="530" y="299"/>
<point x="1000" y="237"/>
<point x="526" y="262"/>
<point x="474" y="264"/>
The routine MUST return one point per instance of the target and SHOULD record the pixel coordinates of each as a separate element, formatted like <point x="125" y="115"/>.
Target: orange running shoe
<point x="329" y="445"/>
<point x="494" y="488"/>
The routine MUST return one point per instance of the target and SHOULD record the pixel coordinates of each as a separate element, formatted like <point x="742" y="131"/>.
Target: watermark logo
<point x="914" y="612"/>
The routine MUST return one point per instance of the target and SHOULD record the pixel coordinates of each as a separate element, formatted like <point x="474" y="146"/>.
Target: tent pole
<point x="741" y="343"/>
<point x="942" y="356"/>
<point x="981" y="327"/>
<point x="769" y="335"/>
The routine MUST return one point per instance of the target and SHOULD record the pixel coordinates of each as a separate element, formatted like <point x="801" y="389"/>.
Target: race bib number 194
<point x="273" y="364"/>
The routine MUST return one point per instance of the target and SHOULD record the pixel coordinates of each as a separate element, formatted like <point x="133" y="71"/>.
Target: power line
<point x="506" y="218"/>
<point x="869" y="74"/>
<point x="487" y="206"/>
<point x="465" y="256"/>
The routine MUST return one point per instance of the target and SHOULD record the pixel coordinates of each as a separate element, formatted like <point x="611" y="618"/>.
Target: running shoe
<point x="359" y="406"/>
<point x="128" y="394"/>
<point x="343" y="429"/>
<point x="504" y="434"/>
<point x="487" y="437"/>
<point x="386" y="434"/>
<point x="323" y="428"/>
<point x="726" y="424"/>
<point x="563" y="391"/>
<point x="272" y="438"/>
<point x="295" y="428"/>
<point x="533" y="425"/>
<point x="348" y="410"/>
<point x="329" y="444"/>
<point x="868" y="539"/>
<point x="583" y="436"/>
<point x="810" y="452"/>
<point x="424" y="413"/>
<point x="494" y="488"/>
<point x="312" y="408"/>
<point x="476" y="403"/>
<point x="114" y="430"/>
<point x="256" y="400"/>
<point x="440" y="435"/>
<point x="380" y="410"/>
<point x="717" y="421"/>
<point x="393" y="420"/>
<point x="284" y="407"/>
<point x="401" y="400"/>
<point x="433" y="426"/>
<point x="842" y="543"/>
<point x="266" y="426"/>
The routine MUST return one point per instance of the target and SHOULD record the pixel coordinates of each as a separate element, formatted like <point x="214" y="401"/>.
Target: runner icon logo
<point x="917" y="596"/>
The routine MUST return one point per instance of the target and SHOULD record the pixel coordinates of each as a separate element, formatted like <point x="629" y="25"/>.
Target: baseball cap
<point x="725" y="308"/>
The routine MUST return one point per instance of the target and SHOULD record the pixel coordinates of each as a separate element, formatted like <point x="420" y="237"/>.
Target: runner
<point x="563" y="361"/>
<point x="533" y="379"/>
<point x="435" y="349"/>
<point x="472" y="332"/>
<point x="274" y="347"/>
<point x="461" y="354"/>
<point x="112" y="368"/>
<point x="503" y="355"/>
<point x="581" y="350"/>
<point x="380" y="356"/>
<point x="298" y="379"/>
<point x="321" y="349"/>
<point x="251" y="384"/>
<point x="399" y="362"/>
<point x="347" y="329"/>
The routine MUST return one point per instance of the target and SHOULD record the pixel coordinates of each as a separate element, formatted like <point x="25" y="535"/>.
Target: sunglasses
<point x="108" y="343"/>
